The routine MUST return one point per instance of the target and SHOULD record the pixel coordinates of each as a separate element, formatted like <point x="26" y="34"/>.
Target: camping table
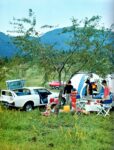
<point x="92" y="106"/>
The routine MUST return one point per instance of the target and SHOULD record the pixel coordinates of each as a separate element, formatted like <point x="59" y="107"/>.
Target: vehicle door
<point x="43" y="93"/>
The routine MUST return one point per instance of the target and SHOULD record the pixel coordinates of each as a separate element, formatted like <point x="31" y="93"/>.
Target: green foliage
<point x="4" y="69"/>
<point x="90" y="51"/>
<point x="91" y="46"/>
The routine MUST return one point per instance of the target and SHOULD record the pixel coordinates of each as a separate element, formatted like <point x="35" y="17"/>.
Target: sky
<point x="55" y="12"/>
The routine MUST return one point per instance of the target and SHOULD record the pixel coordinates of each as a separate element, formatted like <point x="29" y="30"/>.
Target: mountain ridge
<point x="53" y="37"/>
<point x="56" y="38"/>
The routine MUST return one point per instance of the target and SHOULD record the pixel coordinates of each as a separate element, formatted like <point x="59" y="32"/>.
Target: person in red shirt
<point x="73" y="99"/>
<point x="106" y="95"/>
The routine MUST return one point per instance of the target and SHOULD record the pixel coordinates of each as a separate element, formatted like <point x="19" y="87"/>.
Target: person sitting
<point x="50" y="108"/>
<point x="47" y="111"/>
<point x="106" y="94"/>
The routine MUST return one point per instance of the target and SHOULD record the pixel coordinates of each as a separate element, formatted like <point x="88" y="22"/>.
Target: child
<point x="73" y="99"/>
<point x="48" y="110"/>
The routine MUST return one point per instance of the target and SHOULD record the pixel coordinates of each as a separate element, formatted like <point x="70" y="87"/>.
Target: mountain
<point x="55" y="37"/>
<point x="7" y="48"/>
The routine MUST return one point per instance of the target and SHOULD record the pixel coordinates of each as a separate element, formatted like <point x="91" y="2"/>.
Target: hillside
<point x="55" y="37"/>
<point x="7" y="48"/>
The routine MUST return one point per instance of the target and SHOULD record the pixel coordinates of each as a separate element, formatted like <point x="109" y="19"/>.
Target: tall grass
<point x="30" y="130"/>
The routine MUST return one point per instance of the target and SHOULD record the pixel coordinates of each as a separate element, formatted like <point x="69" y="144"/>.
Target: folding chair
<point x="81" y="103"/>
<point x="105" y="107"/>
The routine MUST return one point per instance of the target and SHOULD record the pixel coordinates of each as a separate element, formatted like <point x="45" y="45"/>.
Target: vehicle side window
<point x="26" y="92"/>
<point x="21" y="92"/>
<point x="44" y="91"/>
<point x="36" y="91"/>
<point x="6" y="93"/>
<point x="9" y="94"/>
<point x="3" y="93"/>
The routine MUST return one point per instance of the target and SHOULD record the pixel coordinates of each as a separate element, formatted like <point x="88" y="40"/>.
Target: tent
<point x="78" y="81"/>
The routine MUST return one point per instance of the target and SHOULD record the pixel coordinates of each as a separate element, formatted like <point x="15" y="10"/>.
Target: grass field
<point x="31" y="131"/>
<point x="21" y="130"/>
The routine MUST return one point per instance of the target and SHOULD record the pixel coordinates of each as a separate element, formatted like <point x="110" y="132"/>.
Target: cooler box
<point x="66" y="108"/>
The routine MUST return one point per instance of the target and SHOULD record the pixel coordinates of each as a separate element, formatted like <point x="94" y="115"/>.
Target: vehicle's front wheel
<point x="28" y="107"/>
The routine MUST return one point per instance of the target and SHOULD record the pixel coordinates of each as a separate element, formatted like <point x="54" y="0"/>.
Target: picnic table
<point x="88" y="105"/>
<point x="92" y="106"/>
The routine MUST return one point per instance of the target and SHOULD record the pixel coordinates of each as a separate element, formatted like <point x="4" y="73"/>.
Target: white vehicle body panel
<point x="21" y="95"/>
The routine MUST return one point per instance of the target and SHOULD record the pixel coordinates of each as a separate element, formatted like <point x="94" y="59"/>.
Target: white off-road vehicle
<point x="25" y="97"/>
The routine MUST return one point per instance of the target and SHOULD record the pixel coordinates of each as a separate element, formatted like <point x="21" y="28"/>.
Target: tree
<point x="27" y="41"/>
<point x="91" y="46"/>
<point x="89" y="50"/>
<point x="4" y="69"/>
<point x="86" y="53"/>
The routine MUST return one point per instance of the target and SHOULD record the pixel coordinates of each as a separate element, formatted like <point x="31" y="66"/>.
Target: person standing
<point x="67" y="92"/>
<point x="89" y="90"/>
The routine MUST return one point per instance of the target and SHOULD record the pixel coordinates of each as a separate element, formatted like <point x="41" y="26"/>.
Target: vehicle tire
<point x="57" y="87"/>
<point x="28" y="107"/>
<point x="6" y="106"/>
